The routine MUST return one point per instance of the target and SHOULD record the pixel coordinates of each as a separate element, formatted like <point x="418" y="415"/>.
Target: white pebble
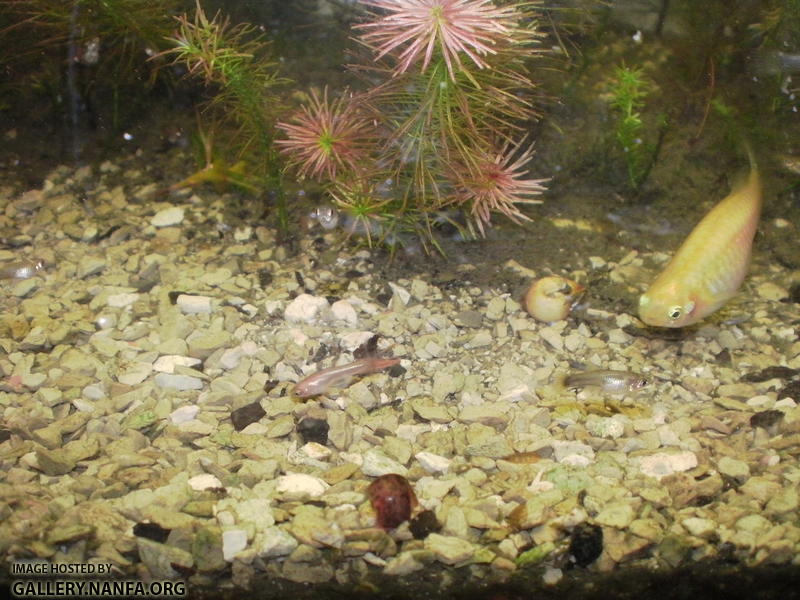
<point x="178" y="382"/>
<point x="184" y="413"/>
<point x="206" y="481"/>
<point x="402" y="294"/>
<point x="306" y="308"/>
<point x="168" y="362"/>
<point x="433" y="463"/>
<point x="351" y="341"/>
<point x="315" y="450"/>
<point x="233" y="542"/>
<point x="194" y="305"/>
<point x="343" y="311"/>
<point x="169" y="216"/>
<point x="300" y="484"/>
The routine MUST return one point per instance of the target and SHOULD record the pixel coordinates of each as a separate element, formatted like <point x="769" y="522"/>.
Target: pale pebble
<point x="433" y="463"/>
<point x="121" y="300"/>
<point x="191" y="304"/>
<point x="306" y="308"/>
<point x="661" y="464"/>
<point x="178" y="382"/>
<point x="168" y="217"/>
<point x="298" y="485"/>
<point x="168" y="362"/>
<point x="184" y="413"/>
<point x="204" y="481"/>
<point x="233" y="542"/>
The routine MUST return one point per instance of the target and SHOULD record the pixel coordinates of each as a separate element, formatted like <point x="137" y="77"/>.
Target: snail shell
<point x="551" y="298"/>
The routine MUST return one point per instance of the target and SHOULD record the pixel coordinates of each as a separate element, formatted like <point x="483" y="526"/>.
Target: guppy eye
<point x="675" y="313"/>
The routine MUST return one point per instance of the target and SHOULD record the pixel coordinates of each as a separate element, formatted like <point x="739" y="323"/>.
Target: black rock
<point x="423" y="524"/>
<point x="264" y="278"/>
<point x="586" y="543"/>
<point x="766" y="418"/>
<point x="313" y="430"/>
<point x="794" y="293"/>
<point x="249" y="413"/>
<point x="792" y="390"/>
<point x="151" y="531"/>
<point x="776" y="372"/>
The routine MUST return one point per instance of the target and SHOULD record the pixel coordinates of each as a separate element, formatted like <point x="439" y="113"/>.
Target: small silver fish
<point x="21" y="270"/>
<point x="613" y="382"/>
<point x="337" y="377"/>
<point x="771" y="62"/>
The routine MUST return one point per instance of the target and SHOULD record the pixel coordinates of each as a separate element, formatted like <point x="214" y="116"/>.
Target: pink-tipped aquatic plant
<point x="441" y="124"/>
<point x="326" y="137"/>
<point x="497" y="184"/>
<point x="414" y="29"/>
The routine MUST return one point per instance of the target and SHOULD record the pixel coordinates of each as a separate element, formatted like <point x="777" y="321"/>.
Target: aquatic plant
<point x="236" y="60"/>
<point x="326" y="137"/>
<point x="628" y="92"/>
<point x="441" y="124"/>
<point x="86" y="58"/>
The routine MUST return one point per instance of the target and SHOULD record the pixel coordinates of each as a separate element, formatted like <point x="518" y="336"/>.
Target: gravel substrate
<point x="148" y="419"/>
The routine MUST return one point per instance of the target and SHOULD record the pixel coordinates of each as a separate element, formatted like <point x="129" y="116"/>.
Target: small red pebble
<point x="393" y="500"/>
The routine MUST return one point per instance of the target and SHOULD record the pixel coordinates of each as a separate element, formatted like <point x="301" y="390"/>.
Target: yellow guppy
<point x="710" y="266"/>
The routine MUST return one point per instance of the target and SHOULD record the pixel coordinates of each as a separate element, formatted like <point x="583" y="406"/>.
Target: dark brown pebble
<point x="313" y="430"/>
<point x="151" y="531"/>
<point x="368" y="348"/>
<point x="264" y="278"/>
<point x="794" y="293"/>
<point x="776" y="372"/>
<point x="249" y="413"/>
<point x="791" y="390"/>
<point x="424" y="524"/>
<point x="586" y="544"/>
<point x="766" y="418"/>
<point x="657" y="333"/>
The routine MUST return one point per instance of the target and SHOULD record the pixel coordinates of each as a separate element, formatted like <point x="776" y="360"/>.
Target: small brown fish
<point x="338" y="377"/>
<point x="523" y="458"/>
<point x="612" y="382"/>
